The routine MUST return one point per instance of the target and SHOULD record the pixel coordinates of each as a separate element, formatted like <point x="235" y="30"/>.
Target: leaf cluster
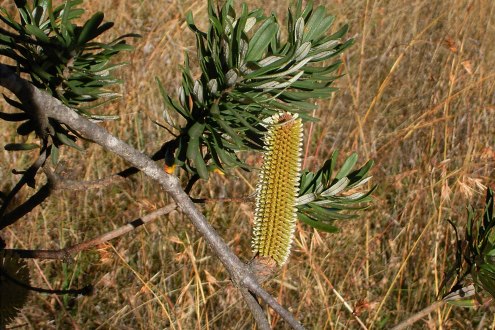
<point x="328" y="195"/>
<point x="60" y="57"/>
<point x="248" y="73"/>
<point x="475" y="255"/>
<point x="480" y="237"/>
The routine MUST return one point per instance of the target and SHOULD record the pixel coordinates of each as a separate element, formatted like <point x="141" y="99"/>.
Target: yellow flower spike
<point x="278" y="184"/>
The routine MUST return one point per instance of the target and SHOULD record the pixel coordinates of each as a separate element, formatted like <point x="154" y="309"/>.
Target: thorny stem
<point x="240" y="273"/>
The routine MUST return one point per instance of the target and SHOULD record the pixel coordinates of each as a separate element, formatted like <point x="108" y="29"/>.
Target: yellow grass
<point x="417" y="96"/>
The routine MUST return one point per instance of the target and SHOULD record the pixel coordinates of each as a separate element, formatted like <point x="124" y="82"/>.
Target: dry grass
<point x="417" y="97"/>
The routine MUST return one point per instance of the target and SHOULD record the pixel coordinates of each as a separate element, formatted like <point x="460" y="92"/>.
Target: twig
<point x="61" y="183"/>
<point x="342" y="300"/>
<point x="55" y="182"/>
<point x="216" y="200"/>
<point x="66" y="254"/>
<point x="272" y="302"/>
<point x="256" y="310"/>
<point x="419" y="315"/>
<point x="239" y="272"/>
<point x="85" y="291"/>
<point x="191" y="183"/>
<point x="27" y="178"/>
<point x="349" y="308"/>
<point x="42" y="194"/>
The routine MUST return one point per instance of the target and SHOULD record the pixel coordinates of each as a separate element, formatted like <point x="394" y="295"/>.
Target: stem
<point x="256" y="310"/>
<point x="66" y="254"/>
<point x="419" y="315"/>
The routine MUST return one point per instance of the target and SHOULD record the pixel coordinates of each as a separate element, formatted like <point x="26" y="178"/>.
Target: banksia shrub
<point x="472" y="276"/>
<point x="275" y="214"/>
<point x="249" y="72"/>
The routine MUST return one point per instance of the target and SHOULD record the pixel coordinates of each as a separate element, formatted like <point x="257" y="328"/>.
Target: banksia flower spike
<point x="275" y="213"/>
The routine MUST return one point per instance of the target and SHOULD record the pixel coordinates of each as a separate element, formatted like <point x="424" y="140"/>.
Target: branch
<point x="27" y="178"/>
<point x="66" y="254"/>
<point x="256" y="310"/>
<point x="226" y="199"/>
<point x="240" y="273"/>
<point x="61" y="183"/>
<point x="85" y="291"/>
<point x="55" y="182"/>
<point x="42" y="194"/>
<point x="419" y="315"/>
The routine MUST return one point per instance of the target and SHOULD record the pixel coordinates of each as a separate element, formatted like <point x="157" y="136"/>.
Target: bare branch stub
<point x="264" y="268"/>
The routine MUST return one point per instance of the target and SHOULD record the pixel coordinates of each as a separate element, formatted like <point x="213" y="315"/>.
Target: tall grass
<point x="417" y="96"/>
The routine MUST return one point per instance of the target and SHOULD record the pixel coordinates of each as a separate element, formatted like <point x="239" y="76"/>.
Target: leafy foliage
<point x="61" y="58"/>
<point x="475" y="256"/>
<point x="248" y="73"/>
<point x="324" y="196"/>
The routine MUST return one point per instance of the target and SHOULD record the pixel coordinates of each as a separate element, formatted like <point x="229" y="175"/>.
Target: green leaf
<point x="90" y="29"/>
<point x="318" y="24"/>
<point x="20" y="116"/>
<point x="40" y="35"/>
<point x="336" y="188"/>
<point x="54" y="154"/>
<point x="26" y="128"/>
<point x="194" y="153"/>
<point x="326" y="214"/>
<point x="67" y="141"/>
<point x="340" y="32"/>
<point x="347" y="166"/>
<point x="326" y="227"/>
<point x="20" y="146"/>
<point x="261" y="39"/>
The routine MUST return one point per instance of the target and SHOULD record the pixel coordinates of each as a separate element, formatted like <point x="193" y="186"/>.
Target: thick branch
<point x="239" y="272"/>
